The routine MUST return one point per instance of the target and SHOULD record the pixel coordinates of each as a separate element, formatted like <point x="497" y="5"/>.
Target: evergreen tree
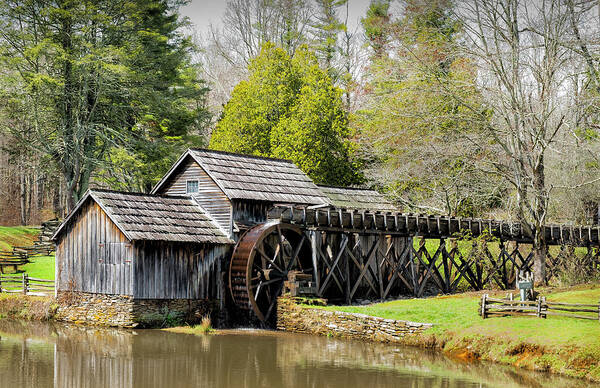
<point x="100" y="75"/>
<point x="326" y="28"/>
<point x="289" y="108"/>
<point x="377" y="26"/>
<point x="169" y="111"/>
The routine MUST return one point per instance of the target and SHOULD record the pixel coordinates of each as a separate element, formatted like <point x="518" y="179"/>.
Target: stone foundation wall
<point x="295" y="318"/>
<point x="170" y="312"/>
<point x="125" y="311"/>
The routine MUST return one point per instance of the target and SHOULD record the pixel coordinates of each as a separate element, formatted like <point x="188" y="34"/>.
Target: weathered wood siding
<point x="178" y="271"/>
<point x="93" y="255"/>
<point x="250" y="212"/>
<point x="209" y="196"/>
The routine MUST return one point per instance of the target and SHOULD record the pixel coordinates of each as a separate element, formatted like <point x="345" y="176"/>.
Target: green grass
<point x="11" y="236"/>
<point x="459" y="313"/>
<point x="41" y="267"/>
<point x="566" y="345"/>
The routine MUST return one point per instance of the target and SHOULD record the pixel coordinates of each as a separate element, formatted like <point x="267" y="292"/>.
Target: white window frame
<point x="187" y="187"/>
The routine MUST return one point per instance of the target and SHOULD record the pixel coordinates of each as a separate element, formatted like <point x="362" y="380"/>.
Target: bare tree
<point x="354" y="61"/>
<point x="248" y="24"/>
<point x="523" y="73"/>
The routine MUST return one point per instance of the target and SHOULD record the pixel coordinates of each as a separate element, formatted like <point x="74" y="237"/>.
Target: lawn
<point x="41" y="267"/>
<point x="459" y="313"/>
<point x="566" y="345"/>
<point x="15" y="236"/>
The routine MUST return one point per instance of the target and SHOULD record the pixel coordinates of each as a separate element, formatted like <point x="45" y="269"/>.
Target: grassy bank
<point x="17" y="306"/>
<point x="17" y="236"/>
<point x="563" y="345"/>
<point x="41" y="267"/>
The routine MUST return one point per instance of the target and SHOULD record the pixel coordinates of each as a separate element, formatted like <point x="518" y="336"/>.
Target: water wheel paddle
<point x="260" y="263"/>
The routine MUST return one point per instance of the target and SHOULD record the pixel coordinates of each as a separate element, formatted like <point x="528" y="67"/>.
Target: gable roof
<point x="355" y="198"/>
<point x="254" y="177"/>
<point x="154" y="218"/>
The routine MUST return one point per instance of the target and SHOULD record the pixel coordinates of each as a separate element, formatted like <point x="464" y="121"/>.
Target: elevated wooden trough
<point x="428" y="226"/>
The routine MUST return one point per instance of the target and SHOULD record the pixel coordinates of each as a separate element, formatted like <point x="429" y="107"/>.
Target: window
<point x="191" y="187"/>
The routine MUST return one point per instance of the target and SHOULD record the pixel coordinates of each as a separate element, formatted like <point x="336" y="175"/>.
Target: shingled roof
<point x="255" y="177"/>
<point x="155" y="218"/>
<point x="354" y="198"/>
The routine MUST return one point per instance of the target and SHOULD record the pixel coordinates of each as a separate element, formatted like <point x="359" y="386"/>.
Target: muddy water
<point x="44" y="355"/>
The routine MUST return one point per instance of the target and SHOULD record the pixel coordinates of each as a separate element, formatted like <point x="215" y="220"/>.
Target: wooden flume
<point x="429" y="226"/>
<point x="361" y="254"/>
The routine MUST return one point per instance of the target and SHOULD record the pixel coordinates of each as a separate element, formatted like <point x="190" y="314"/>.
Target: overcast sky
<point x="204" y="12"/>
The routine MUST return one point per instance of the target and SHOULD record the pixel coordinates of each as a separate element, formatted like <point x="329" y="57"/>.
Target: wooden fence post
<point x="25" y="283"/>
<point x="539" y="307"/>
<point x="544" y="315"/>
<point x="0" y="284"/>
<point x="483" y="301"/>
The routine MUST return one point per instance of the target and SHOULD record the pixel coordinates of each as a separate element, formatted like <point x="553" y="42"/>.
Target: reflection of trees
<point x="215" y="361"/>
<point x="26" y="360"/>
<point x="94" y="357"/>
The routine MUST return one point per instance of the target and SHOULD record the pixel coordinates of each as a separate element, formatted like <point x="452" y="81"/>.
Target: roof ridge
<point x="140" y="194"/>
<point x="244" y="155"/>
<point x="350" y="188"/>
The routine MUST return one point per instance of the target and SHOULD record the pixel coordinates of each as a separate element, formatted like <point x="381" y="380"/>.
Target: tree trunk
<point x="25" y="195"/>
<point x="541" y="206"/>
<point x="70" y="162"/>
<point x="539" y="259"/>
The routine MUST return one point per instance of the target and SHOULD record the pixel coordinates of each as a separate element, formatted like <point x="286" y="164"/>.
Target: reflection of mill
<point x="73" y="356"/>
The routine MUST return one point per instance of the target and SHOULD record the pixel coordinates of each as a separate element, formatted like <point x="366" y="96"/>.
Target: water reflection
<point x="43" y="355"/>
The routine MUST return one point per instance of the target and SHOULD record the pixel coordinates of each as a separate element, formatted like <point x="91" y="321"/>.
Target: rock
<point x="291" y="317"/>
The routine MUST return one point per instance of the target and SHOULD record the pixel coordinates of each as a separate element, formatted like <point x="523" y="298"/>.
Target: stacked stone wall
<point x="125" y="311"/>
<point x="300" y="319"/>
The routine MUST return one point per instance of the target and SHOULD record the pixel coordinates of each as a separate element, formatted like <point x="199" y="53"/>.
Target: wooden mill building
<point x="128" y="258"/>
<point x="237" y="190"/>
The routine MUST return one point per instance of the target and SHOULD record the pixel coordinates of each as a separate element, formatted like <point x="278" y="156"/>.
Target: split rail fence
<point x="540" y="308"/>
<point x="12" y="259"/>
<point x="26" y="285"/>
<point x="43" y="246"/>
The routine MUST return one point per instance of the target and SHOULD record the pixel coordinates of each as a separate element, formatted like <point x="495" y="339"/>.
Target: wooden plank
<point x="513" y="313"/>
<point x="510" y="308"/>
<point x="331" y="268"/>
<point x="570" y="304"/>
<point x="575" y="309"/>
<point x="360" y="266"/>
<point x="512" y="302"/>
<point x="315" y="262"/>
<point x="365" y="267"/>
<point x="571" y="315"/>
<point x="336" y="261"/>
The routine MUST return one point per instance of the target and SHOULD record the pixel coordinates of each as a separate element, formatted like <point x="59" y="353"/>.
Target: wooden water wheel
<point x="261" y="261"/>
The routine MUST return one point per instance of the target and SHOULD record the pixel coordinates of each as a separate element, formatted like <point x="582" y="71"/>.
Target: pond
<point x="34" y="354"/>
